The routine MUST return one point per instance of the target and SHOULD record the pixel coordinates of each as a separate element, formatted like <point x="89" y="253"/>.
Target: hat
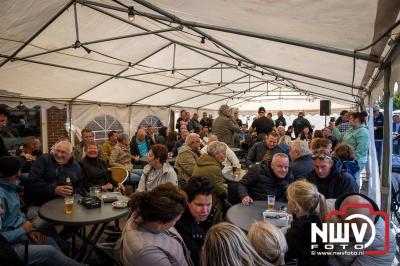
<point x="9" y="166"/>
<point x="261" y="109"/>
<point x="376" y="108"/>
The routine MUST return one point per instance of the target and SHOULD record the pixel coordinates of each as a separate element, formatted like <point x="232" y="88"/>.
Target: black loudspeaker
<point x="325" y="107"/>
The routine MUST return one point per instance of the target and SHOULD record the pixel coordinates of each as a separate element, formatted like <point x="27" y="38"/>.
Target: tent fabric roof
<point x="154" y="61"/>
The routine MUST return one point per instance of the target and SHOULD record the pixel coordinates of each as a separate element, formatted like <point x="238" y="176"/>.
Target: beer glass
<point x="271" y="202"/>
<point x="69" y="204"/>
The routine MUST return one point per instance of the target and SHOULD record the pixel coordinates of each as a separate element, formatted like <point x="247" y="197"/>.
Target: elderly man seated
<point x="210" y="164"/>
<point x="379" y="241"/>
<point x="301" y="163"/>
<point x="329" y="175"/>
<point x="264" y="150"/>
<point x="231" y="161"/>
<point x="49" y="177"/>
<point x="266" y="178"/>
<point x="186" y="159"/>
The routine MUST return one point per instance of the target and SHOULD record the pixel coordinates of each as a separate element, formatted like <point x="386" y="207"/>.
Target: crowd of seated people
<point x="178" y="211"/>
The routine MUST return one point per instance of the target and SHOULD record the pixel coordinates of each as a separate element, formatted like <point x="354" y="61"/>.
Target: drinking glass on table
<point x="69" y="204"/>
<point x="271" y="202"/>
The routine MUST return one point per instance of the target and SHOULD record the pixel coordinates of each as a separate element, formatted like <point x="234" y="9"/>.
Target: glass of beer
<point x="271" y="202"/>
<point x="69" y="204"/>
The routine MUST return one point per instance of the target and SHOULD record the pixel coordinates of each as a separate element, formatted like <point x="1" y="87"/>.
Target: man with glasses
<point x="48" y="177"/>
<point x="329" y="175"/>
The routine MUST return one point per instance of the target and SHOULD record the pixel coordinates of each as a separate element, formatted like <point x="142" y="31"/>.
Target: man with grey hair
<point x="301" y="163"/>
<point x="231" y="160"/>
<point x="210" y="164"/>
<point x="224" y="126"/>
<point x="379" y="241"/>
<point x="266" y="178"/>
<point x="48" y="177"/>
<point x="186" y="159"/>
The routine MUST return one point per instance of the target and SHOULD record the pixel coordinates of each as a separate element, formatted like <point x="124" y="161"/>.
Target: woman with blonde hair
<point x="226" y="245"/>
<point x="269" y="241"/>
<point x="303" y="201"/>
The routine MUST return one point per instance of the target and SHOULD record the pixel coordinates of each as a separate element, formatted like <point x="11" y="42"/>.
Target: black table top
<point x="231" y="177"/>
<point x="54" y="211"/>
<point x="244" y="216"/>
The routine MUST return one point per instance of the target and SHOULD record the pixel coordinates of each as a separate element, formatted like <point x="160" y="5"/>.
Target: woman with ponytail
<point x="307" y="206"/>
<point x="357" y="137"/>
<point x="149" y="237"/>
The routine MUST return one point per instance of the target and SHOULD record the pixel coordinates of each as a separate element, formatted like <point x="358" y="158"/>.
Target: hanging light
<point x="239" y="63"/>
<point x="203" y="40"/>
<point x="131" y="14"/>
<point x="86" y="49"/>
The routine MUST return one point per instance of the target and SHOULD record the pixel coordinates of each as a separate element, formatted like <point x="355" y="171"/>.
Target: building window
<point x="151" y="121"/>
<point x="102" y="125"/>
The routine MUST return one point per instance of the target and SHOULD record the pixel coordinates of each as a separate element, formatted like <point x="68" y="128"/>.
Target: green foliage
<point x="396" y="102"/>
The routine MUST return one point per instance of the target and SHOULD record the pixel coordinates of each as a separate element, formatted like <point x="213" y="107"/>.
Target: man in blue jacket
<point x="16" y="229"/>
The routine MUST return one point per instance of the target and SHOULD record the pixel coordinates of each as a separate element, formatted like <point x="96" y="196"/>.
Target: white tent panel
<point x="169" y="97"/>
<point x="34" y="80"/>
<point x="201" y="101"/>
<point x="294" y="58"/>
<point x="164" y="78"/>
<point x="119" y="91"/>
<point x="325" y="22"/>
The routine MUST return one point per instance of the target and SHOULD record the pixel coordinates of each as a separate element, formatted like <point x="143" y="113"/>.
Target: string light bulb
<point x="131" y="14"/>
<point x="203" y="40"/>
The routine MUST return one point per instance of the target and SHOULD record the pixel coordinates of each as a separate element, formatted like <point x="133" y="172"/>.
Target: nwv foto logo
<point x="346" y="234"/>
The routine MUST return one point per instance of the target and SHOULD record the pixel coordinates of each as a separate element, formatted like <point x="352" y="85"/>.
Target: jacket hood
<point x="7" y="185"/>
<point x="207" y="160"/>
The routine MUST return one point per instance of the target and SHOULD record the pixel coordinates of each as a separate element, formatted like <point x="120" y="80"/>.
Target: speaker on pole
<point x="325" y="107"/>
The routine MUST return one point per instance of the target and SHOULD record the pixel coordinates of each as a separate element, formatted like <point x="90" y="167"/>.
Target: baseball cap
<point x="261" y="109"/>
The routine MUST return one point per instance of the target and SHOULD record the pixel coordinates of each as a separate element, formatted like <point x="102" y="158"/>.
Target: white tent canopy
<point x="285" y="55"/>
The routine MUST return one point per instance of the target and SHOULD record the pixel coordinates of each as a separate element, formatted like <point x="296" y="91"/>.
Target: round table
<point x="244" y="216"/>
<point x="231" y="177"/>
<point x="54" y="211"/>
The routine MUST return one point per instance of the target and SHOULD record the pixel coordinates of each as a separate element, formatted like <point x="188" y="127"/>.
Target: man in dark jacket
<point x="266" y="178"/>
<point x="301" y="163"/>
<point x="262" y="125"/>
<point x="48" y="177"/>
<point x="198" y="216"/>
<point x="378" y="132"/>
<point x="299" y="123"/>
<point x="330" y="177"/>
<point x="281" y="121"/>
<point x="264" y="150"/>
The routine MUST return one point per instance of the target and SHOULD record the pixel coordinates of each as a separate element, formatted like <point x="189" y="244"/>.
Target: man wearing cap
<point x="262" y="125"/>
<point x="378" y="132"/>
<point x="15" y="228"/>
<point x="47" y="178"/>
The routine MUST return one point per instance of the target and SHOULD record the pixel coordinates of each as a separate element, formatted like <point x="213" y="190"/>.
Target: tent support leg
<point x="386" y="166"/>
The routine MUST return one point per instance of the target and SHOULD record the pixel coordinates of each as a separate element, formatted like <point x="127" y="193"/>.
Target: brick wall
<point x="56" y="119"/>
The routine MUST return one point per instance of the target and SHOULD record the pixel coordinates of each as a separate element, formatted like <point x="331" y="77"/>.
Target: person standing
<point x="299" y="123"/>
<point x="378" y="132"/>
<point x="281" y="121"/>
<point x="224" y="126"/>
<point x="262" y="125"/>
<point x="4" y="114"/>
<point x="396" y="129"/>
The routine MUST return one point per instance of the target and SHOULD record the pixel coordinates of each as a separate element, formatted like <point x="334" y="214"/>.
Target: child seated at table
<point x="16" y="229"/>
<point x="269" y="241"/>
<point x="303" y="201"/>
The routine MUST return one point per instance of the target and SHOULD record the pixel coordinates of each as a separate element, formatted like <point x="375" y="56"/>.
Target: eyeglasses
<point x="320" y="157"/>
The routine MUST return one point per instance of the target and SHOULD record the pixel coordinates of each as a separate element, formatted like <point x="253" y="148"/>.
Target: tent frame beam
<point x="171" y="18"/>
<point x="37" y="33"/>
